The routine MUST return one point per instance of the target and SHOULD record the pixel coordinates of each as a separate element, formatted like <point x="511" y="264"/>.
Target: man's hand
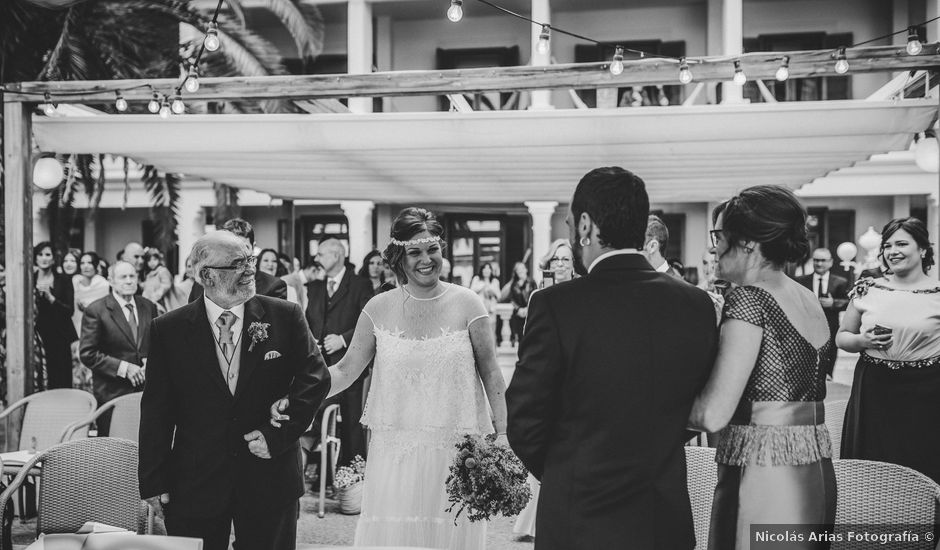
<point x="277" y="408"/>
<point x="135" y="375"/>
<point x="257" y="445"/>
<point x="826" y="301"/>
<point x="333" y="343"/>
<point x="157" y="504"/>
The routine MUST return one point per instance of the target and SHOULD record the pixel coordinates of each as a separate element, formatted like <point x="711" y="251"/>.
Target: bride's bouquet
<point x="486" y="479"/>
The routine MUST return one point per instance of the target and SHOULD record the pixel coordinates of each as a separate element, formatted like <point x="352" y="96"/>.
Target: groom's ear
<point x="585" y="225"/>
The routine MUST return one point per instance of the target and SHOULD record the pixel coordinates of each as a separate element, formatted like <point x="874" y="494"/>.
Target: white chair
<point x="328" y="449"/>
<point x="47" y="416"/>
<point x="835" y="417"/>
<point x="701" y="476"/>
<point x="125" y="417"/>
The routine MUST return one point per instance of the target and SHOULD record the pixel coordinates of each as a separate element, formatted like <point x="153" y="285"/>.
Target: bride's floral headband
<point x="412" y="242"/>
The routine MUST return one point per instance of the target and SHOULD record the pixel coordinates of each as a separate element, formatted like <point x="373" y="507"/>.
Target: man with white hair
<point x="208" y="456"/>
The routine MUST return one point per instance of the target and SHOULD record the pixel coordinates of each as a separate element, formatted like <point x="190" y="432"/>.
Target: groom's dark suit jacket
<point x="207" y="463"/>
<point x="599" y="402"/>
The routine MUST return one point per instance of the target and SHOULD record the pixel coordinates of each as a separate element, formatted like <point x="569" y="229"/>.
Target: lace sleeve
<point x="475" y="308"/>
<point x="742" y="303"/>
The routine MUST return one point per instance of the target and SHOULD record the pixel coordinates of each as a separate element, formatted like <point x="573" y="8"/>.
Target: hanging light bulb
<point x="914" y="45"/>
<point x="192" y="80"/>
<point x="927" y="152"/>
<point x="842" y="64"/>
<point x="685" y="75"/>
<point x="616" y="66"/>
<point x="120" y="103"/>
<point x="544" y="36"/>
<point x="48" y="107"/>
<point x="211" y="42"/>
<point x="165" y="109"/>
<point x="455" y="11"/>
<point x="154" y="105"/>
<point x="178" y="107"/>
<point x="783" y="72"/>
<point x="739" y="77"/>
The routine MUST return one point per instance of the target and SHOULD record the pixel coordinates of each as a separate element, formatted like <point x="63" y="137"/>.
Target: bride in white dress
<point x="434" y="356"/>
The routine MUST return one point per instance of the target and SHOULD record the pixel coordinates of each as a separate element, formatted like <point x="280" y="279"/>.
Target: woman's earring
<point x="585" y="241"/>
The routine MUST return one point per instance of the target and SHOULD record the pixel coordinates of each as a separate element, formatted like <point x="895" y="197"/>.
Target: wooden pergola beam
<point x="762" y="65"/>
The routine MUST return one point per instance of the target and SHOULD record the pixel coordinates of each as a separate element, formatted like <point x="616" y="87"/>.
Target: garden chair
<point x="92" y="479"/>
<point x="835" y="417"/>
<point x="47" y="416"/>
<point x="702" y="476"/>
<point x="329" y="451"/>
<point x="125" y="417"/>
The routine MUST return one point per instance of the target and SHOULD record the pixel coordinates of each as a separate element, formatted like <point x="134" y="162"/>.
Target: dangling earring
<point x="585" y="241"/>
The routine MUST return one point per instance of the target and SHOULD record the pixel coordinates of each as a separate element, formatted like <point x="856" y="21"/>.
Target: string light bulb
<point x="154" y="105"/>
<point x="914" y="46"/>
<point x="544" y="36"/>
<point x="739" y="77"/>
<point x="455" y="11"/>
<point x="48" y="107"/>
<point x="616" y="66"/>
<point x="192" y="80"/>
<point x="685" y="75"/>
<point x="165" y="109"/>
<point x="783" y="72"/>
<point x="120" y="103"/>
<point x="211" y="42"/>
<point x="842" y="64"/>
<point x="178" y="107"/>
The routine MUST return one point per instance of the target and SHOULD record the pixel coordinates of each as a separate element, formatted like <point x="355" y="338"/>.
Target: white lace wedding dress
<point x="425" y="395"/>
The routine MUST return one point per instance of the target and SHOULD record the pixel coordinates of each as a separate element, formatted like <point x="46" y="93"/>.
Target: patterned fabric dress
<point x="894" y="409"/>
<point x="774" y="458"/>
<point x="425" y="396"/>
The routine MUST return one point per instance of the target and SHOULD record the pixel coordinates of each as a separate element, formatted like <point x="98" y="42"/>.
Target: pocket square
<point x="272" y="355"/>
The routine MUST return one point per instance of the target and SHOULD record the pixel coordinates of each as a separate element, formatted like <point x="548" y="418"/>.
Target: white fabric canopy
<point x="695" y="153"/>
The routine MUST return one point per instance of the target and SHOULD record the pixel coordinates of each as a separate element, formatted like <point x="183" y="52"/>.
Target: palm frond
<point x="164" y="193"/>
<point x="238" y="10"/>
<point x="70" y="59"/>
<point x="307" y="37"/>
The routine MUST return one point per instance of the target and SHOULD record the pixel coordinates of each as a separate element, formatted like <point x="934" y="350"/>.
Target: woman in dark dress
<point x="766" y="391"/>
<point x="894" y="323"/>
<point x="55" y="303"/>
<point x="518" y="291"/>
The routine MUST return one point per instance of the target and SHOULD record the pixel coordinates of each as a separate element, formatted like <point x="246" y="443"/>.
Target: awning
<point x="694" y="153"/>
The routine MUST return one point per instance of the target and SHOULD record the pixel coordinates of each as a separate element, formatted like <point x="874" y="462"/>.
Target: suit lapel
<point x="342" y="291"/>
<point x="117" y="315"/>
<point x="254" y="312"/>
<point x="202" y="343"/>
<point x="316" y="303"/>
<point x="143" y="320"/>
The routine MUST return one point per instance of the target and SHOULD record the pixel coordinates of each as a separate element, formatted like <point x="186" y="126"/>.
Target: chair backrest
<point x="125" y="416"/>
<point x="702" y="477"/>
<point x="835" y="416"/>
<point x="873" y="493"/>
<point x="92" y="479"/>
<point x="49" y="413"/>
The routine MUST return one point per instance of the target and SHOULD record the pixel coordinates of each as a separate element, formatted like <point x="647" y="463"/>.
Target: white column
<point x="383" y="52"/>
<point x="902" y="206"/>
<point x="190" y="225"/>
<point x="359" y="48"/>
<point x="713" y="42"/>
<point x="359" y="216"/>
<point x="933" y="29"/>
<point x="541" y="212"/>
<point x="541" y="12"/>
<point x="732" y="43"/>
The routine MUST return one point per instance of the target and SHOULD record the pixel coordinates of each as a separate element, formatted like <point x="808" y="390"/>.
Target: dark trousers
<point x="272" y="530"/>
<point x="352" y="436"/>
<point x="58" y="364"/>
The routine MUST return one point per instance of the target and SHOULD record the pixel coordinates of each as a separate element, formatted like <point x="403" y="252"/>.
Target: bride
<point x="433" y="347"/>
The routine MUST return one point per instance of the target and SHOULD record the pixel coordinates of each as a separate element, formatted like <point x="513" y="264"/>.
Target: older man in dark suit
<point x="600" y="399"/>
<point x="833" y="293"/>
<point x="116" y="339"/>
<point x="207" y="451"/>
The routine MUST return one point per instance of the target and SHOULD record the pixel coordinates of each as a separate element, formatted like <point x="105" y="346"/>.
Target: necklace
<point x="413" y="297"/>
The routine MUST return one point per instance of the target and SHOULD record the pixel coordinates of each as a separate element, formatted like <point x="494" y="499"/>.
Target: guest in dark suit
<point x="833" y="293"/>
<point x="654" y="246"/>
<point x="116" y="340"/>
<point x="600" y="398"/>
<point x="333" y="308"/>
<point x="55" y="303"/>
<point x="265" y="284"/>
<point x="207" y="451"/>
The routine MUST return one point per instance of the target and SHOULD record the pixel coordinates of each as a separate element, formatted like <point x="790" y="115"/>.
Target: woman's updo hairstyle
<point x="407" y="224"/>
<point x="770" y="215"/>
<point x="918" y="230"/>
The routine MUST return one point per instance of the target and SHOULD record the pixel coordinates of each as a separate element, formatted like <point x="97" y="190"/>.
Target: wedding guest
<point x="893" y="324"/>
<point x="388" y="275"/>
<point x="657" y="238"/>
<point x="709" y="265"/>
<point x="70" y="262"/>
<point x="55" y="303"/>
<point x="833" y="293"/>
<point x="265" y="284"/>
<point x="88" y="286"/>
<point x="182" y="287"/>
<point x="766" y="391"/>
<point x="206" y="448"/>
<point x="446" y="271"/>
<point x="373" y="269"/>
<point x="287" y="263"/>
<point x="297" y="281"/>
<point x="600" y="397"/>
<point x="116" y="340"/>
<point x="269" y="263"/>
<point x="158" y="281"/>
<point x="104" y="268"/>
<point x="487" y="288"/>
<point x="133" y="254"/>
<point x="517" y="292"/>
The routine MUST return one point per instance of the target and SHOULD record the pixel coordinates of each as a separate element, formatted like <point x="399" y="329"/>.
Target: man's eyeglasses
<point x="557" y="260"/>
<point x="241" y="265"/>
<point x="716" y="236"/>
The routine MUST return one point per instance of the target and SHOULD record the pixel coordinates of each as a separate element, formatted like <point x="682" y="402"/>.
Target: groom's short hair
<point x="617" y="203"/>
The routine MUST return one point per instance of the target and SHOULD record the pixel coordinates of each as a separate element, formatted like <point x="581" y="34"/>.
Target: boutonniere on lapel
<point x="258" y="333"/>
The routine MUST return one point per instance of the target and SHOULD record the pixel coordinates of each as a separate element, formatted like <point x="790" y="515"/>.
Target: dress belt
<point x="780" y="413"/>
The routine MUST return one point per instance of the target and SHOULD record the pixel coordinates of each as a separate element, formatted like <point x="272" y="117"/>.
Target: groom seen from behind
<point x="609" y="366"/>
<point x="207" y="452"/>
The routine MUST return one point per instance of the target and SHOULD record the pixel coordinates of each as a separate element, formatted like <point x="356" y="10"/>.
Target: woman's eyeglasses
<point x="557" y="260"/>
<point x="716" y="236"/>
<point x="241" y="265"/>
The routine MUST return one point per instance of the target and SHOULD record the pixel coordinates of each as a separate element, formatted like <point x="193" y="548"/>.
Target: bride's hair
<point x="407" y="224"/>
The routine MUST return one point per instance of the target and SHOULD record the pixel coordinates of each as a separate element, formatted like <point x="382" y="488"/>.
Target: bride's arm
<point x="484" y="351"/>
<point x="360" y="352"/>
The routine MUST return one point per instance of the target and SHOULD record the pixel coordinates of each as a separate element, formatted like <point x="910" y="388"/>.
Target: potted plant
<point x="347" y="483"/>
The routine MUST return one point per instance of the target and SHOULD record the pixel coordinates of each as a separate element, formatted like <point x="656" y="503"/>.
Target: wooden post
<point x="18" y="196"/>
